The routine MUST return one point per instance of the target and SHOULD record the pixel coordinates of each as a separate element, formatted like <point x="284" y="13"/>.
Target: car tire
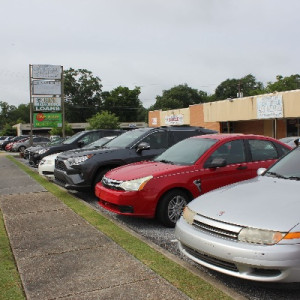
<point x="171" y="206"/>
<point x="21" y="149"/>
<point x="99" y="176"/>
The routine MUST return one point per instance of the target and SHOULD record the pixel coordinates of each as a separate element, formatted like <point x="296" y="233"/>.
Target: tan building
<point x="276" y="115"/>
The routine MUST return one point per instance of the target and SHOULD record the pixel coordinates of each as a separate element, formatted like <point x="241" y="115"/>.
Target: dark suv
<point x="82" y="169"/>
<point x="77" y="140"/>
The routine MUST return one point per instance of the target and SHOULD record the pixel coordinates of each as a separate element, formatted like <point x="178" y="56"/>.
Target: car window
<point x="233" y="152"/>
<point x="262" y="150"/>
<point x="89" y="138"/>
<point x="157" y="140"/>
<point x="186" y="152"/>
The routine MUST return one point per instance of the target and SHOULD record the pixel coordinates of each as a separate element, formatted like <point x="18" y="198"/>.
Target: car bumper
<point x="275" y="263"/>
<point x="46" y="170"/>
<point x="125" y="203"/>
<point x="73" y="181"/>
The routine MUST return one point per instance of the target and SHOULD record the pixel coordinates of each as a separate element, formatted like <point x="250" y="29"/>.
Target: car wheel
<point x="99" y="176"/>
<point x="21" y="149"/>
<point x="171" y="206"/>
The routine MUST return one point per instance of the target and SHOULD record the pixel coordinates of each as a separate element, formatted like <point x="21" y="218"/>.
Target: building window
<point x="292" y="127"/>
<point x="225" y="126"/>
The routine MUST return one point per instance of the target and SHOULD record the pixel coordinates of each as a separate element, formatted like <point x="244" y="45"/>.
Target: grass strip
<point x="183" y="279"/>
<point x="10" y="282"/>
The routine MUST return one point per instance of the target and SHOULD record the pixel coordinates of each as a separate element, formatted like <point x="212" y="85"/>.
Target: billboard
<point x="47" y="120"/>
<point x="46" y="87"/>
<point x="47" y="104"/>
<point x="46" y="71"/>
<point x="269" y="107"/>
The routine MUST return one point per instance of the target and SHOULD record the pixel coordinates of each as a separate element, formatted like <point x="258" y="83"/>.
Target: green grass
<point x="183" y="279"/>
<point x="10" y="283"/>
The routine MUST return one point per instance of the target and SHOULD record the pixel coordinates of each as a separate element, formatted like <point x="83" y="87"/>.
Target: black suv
<point x="81" y="169"/>
<point x="77" y="140"/>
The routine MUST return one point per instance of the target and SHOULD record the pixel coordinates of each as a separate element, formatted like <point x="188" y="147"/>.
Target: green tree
<point x="104" y="120"/>
<point x="82" y="94"/>
<point x="179" y="96"/>
<point x="5" y="113"/>
<point x="58" y="130"/>
<point x="230" y="88"/>
<point x="125" y="104"/>
<point x="8" y="130"/>
<point x="284" y="84"/>
<point x="20" y="114"/>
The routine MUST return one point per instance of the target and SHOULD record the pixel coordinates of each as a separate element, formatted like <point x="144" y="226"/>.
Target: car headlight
<point x="42" y="151"/>
<point x="259" y="236"/>
<point x="79" y="159"/>
<point x="136" y="184"/>
<point x="47" y="162"/>
<point x="188" y="215"/>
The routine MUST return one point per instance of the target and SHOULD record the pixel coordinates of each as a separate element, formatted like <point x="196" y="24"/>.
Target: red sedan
<point x="162" y="187"/>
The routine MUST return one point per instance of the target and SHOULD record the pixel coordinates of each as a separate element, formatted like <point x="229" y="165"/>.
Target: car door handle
<point x="242" y="167"/>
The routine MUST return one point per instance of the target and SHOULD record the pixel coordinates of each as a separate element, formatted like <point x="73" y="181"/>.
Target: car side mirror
<point x="260" y="171"/>
<point x="297" y="142"/>
<point x="142" y="146"/>
<point x="217" y="162"/>
<point x="80" y="144"/>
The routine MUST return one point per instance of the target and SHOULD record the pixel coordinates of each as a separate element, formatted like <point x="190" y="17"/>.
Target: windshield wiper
<point x="275" y="175"/>
<point x="166" y="161"/>
<point x="294" y="178"/>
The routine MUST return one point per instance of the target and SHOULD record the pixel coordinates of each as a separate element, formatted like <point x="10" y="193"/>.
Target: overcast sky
<point x="154" y="44"/>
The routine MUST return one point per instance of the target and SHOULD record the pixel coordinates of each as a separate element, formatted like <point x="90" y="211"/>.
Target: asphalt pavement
<point x="61" y="256"/>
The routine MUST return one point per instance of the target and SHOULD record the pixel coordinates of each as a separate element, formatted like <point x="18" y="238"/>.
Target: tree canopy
<point x="125" y="104"/>
<point x="82" y="94"/>
<point x="178" y="97"/>
<point x="103" y="120"/>
<point x="284" y="84"/>
<point x="230" y="88"/>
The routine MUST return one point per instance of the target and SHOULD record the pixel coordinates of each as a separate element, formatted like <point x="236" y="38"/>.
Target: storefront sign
<point x="47" y="120"/>
<point x="174" y="119"/>
<point x="46" y="71"/>
<point x="46" y="87"/>
<point x="269" y="107"/>
<point x="47" y="104"/>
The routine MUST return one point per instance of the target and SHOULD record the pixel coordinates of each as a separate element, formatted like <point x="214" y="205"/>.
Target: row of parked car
<point x="233" y="221"/>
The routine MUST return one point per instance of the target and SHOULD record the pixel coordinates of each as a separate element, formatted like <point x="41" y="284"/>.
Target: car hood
<point x="142" y="169"/>
<point x="82" y="152"/>
<point x="51" y="156"/>
<point x="263" y="202"/>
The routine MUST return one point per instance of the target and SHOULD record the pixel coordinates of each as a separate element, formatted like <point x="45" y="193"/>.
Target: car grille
<point x="60" y="165"/>
<point x="220" y="229"/>
<point x="211" y="260"/>
<point x="111" y="183"/>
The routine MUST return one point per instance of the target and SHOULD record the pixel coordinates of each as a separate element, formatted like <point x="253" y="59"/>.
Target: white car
<point x="249" y="230"/>
<point x="46" y="166"/>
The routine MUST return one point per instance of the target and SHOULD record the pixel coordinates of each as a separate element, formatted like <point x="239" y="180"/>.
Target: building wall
<point x="197" y="118"/>
<point x="154" y="118"/>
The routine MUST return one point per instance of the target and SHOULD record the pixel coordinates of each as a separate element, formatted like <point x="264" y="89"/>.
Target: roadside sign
<point x="47" y="120"/>
<point x="46" y="71"/>
<point x="47" y="104"/>
<point x="46" y="87"/>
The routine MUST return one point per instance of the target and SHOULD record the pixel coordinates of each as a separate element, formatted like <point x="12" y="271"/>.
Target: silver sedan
<point x="250" y="230"/>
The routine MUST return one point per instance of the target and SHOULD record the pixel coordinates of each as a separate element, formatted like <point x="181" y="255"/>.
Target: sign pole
<point x="63" y="102"/>
<point x="30" y="104"/>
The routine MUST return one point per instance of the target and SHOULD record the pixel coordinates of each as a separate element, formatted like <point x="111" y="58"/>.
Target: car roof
<point x="229" y="136"/>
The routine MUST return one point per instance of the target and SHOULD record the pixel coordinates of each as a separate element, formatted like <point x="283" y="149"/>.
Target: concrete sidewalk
<point x="61" y="256"/>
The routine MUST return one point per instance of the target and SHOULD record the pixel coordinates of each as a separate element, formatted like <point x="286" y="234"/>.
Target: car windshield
<point x="71" y="139"/>
<point x="288" y="167"/>
<point x="126" y="139"/>
<point x="186" y="152"/>
<point x="99" y="143"/>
